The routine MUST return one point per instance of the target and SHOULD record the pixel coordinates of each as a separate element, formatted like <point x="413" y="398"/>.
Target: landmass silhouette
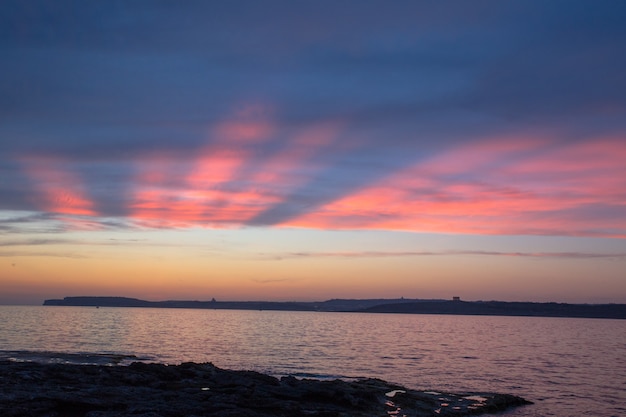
<point x="396" y="305"/>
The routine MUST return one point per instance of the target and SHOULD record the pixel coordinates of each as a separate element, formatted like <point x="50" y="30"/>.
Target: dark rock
<point x="157" y="390"/>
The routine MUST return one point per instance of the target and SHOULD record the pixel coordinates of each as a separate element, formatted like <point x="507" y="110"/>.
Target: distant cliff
<point x="502" y="308"/>
<point x="99" y="301"/>
<point x="398" y="305"/>
<point x="134" y="302"/>
<point x="329" y="305"/>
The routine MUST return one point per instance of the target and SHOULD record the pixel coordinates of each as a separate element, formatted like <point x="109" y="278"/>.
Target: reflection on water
<point x="554" y="362"/>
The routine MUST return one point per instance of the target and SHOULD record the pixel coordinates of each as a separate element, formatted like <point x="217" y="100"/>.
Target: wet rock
<point x="157" y="390"/>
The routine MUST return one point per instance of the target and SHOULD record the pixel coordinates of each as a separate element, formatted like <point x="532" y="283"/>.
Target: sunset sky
<point x="308" y="150"/>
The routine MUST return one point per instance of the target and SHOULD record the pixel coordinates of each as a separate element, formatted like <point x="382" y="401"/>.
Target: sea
<point x="566" y="366"/>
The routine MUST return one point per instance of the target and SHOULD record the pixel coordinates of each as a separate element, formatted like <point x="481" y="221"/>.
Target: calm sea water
<point x="568" y="367"/>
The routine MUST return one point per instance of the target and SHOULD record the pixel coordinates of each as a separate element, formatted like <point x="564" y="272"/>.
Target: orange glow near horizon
<point x="179" y="271"/>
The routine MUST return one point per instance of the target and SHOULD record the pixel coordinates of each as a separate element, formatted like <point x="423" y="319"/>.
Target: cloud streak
<point x="51" y="254"/>
<point x="313" y="117"/>
<point x="507" y="186"/>
<point x="518" y="186"/>
<point x="394" y="254"/>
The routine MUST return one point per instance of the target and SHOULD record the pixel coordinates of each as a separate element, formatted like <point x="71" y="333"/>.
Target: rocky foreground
<point x="151" y="390"/>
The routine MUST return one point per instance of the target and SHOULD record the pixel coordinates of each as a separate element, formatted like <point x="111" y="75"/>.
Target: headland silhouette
<point x="397" y="305"/>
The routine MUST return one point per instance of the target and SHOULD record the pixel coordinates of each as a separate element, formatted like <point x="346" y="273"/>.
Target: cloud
<point x="57" y="189"/>
<point x="515" y="185"/>
<point x="393" y="254"/>
<point x="271" y="281"/>
<point x="494" y="187"/>
<point x="34" y="242"/>
<point x="55" y="254"/>
<point x="489" y="118"/>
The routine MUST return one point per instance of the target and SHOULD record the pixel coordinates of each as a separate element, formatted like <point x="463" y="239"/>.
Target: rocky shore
<point x="152" y="390"/>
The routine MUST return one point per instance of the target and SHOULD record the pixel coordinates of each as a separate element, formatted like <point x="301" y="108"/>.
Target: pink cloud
<point x="58" y="189"/>
<point x="480" y="155"/>
<point x="508" y="185"/>
<point x="495" y="189"/>
<point x="292" y="165"/>
<point x="219" y="187"/>
<point x="173" y="192"/>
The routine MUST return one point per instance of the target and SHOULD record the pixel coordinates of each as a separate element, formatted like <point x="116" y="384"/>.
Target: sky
<point x="295" y="150"/>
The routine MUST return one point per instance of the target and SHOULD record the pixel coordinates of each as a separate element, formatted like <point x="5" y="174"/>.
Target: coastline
<point x="202" y="389"/>
<point x="397" y="305"/>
